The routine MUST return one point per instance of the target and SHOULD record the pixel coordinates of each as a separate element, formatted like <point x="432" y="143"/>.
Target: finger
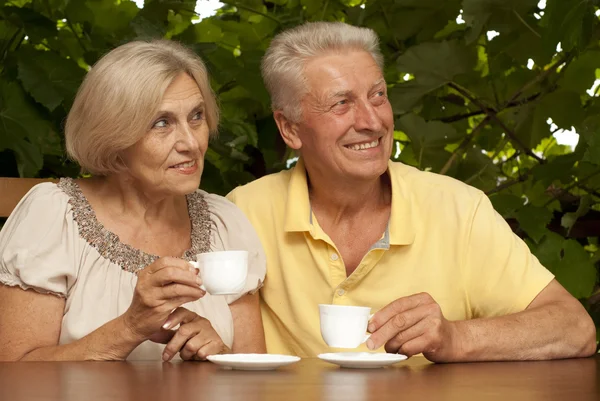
<point x="173" y="291"/>
<point x="214" y="347"/>
<point x="179" y="316"/>
<point x="182" y="335"/>
<point x="193" y="345"/>
<point x="171" y="274"/>
<point x="174" y="303"/>
<point x="167" y="261"/>
<point x="397" y="324"/>
<point x="397" y="307"/>
<point x="162" y="336"/>
<point x="395" y="344"/>
<point x="414" y="347"/>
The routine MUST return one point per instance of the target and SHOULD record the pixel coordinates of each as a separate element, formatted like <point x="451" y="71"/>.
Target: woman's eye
<point x="160" y="124"/>
<point x="199" y="115"/>
<point x="381" y="93"/>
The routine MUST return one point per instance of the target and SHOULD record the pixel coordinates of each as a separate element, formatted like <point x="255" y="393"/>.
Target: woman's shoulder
<point x="219" y="205"/>
<point x="47" y="196"/>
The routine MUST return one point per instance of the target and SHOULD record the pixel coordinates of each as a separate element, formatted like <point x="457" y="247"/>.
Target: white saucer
<point x="253" y="361"/>
<point x="362" y="360"/>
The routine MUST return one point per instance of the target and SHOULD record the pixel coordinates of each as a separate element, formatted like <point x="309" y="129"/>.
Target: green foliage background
<point x="465" y="105"/>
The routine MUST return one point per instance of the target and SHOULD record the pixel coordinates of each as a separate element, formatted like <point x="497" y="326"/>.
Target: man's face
<point x="347" y="125"/>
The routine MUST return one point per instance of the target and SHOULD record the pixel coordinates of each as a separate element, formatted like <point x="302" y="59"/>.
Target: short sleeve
<point x="231" y="230"/>
<point x="502" y="275"/>
<point x="36" y="243"/>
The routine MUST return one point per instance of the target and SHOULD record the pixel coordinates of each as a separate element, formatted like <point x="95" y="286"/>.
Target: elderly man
<point x="346" y="226"/>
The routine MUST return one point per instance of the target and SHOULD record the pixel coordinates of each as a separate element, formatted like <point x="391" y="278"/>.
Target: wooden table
<point x="310" y="379"/>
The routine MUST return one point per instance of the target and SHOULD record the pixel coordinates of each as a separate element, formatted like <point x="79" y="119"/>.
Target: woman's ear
<point x="288" y="130"/>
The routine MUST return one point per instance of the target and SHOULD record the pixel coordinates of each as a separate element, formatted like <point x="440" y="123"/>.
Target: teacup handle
<point x="367" y="336"/>
<point x="197" y="266"/>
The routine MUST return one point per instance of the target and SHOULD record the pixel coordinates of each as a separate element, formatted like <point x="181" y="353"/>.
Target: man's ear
<point x="288" y="130"/>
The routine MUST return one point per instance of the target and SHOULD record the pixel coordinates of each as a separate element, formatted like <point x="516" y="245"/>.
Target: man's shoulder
<point x="262" y="191"/>
<point x="424" y="184"/>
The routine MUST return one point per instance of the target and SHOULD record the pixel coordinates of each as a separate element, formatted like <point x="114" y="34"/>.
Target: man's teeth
<point x="364" y="145"/>
<point x="185" y="165"/>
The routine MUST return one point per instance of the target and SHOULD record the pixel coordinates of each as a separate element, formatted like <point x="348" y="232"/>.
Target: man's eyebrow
<point x="341" y="93"/>
<point x="378" y="82"/>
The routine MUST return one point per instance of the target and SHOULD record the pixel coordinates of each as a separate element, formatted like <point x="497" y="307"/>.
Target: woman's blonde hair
<point x="119" y="97"/>
<point x="283" y="64"/>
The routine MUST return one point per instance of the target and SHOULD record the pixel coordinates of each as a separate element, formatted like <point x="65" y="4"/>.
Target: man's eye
<point x="341" y="102"/>
<point x="199" y="115"/>
<point x="160" y="124"/>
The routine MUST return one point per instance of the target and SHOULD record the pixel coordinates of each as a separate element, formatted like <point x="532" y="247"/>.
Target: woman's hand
<point x="195" y="339"/>
<point x="162" y="287"/>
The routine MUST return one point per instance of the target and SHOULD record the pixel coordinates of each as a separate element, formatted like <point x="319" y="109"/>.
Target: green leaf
<point x="37" y="26"/>
<point x="22" y="129"/>
<point x="206" y="31"/>
<point x="569" y="22"/>
<point x="48" y="77"/>
<point x="437" y="63"/>
<point x="581" y="73"/>
<point x="549" y="250"/>
<point x="506" y="204"/>
<point x="575" y="271"/>
<point x="428" y="139"/>
<point x="569" y="219"/>
<point x="564" y="107"/>
<point x="591" y="135"/>
<point x="556" y="168"/>
<point x="530" y="124"/>
<point x="533" y="220"/>
<point x="405" y="95"/>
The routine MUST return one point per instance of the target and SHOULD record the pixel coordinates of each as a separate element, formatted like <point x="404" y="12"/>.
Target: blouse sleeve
<point x="37" y="243"/>
<point x="231" y="230"/>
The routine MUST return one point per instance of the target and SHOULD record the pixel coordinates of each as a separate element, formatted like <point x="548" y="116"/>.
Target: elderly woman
<point x="97" y="269"/>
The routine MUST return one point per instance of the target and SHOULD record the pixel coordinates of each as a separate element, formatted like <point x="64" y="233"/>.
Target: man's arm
<point x="555" y="325"/>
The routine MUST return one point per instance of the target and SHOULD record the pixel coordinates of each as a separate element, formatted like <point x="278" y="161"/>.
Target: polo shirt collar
<point x="402" y="218"/>
<point x="400" y="229"/>
<point x="298" y="214"/>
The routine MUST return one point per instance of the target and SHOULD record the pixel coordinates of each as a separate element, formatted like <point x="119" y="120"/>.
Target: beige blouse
<point x="52" y="243"/>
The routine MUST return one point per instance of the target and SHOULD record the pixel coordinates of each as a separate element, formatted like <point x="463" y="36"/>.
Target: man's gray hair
<point x="283" y="64"/>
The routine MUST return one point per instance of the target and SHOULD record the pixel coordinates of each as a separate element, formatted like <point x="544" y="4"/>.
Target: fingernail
<point x="370" y="345"/>
<point x="198" y="281"/>
<point x="166" y="325"/>
<point x="371" y="327"/>
<point x="192" y="269"/>
<point x="165" y="357"/>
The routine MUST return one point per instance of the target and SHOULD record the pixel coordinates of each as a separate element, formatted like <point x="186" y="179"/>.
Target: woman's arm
<point x="248" y="332"/>
<point x="30" y="325"/>
<point x="30" y="322"/>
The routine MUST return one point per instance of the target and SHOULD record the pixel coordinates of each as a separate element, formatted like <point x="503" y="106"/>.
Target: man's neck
<point x="341" y="200"/>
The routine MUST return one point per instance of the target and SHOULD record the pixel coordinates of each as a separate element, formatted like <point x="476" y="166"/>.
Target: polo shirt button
<point x="334" y="256"/>
<point x="341" y="292"/>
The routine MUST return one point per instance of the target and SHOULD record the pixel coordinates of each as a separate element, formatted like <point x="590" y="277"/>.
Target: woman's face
<point x="169" y="159"/>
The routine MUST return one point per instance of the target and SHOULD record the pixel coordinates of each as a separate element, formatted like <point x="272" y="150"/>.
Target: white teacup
<point x="344" y="326"/>
<point x="222" y="272"/>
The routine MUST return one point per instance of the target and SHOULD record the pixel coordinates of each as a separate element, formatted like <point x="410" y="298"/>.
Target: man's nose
<point x="366" y="117"/>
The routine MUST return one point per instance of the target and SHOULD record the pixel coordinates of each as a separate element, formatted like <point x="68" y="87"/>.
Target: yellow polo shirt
<point x="443" y="238"/>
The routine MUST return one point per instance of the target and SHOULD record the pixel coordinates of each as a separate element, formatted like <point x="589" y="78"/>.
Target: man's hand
<point x="414" y="325"/>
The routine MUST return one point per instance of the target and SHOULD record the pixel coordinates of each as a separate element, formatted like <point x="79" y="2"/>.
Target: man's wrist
<point x="461" y="340"/>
